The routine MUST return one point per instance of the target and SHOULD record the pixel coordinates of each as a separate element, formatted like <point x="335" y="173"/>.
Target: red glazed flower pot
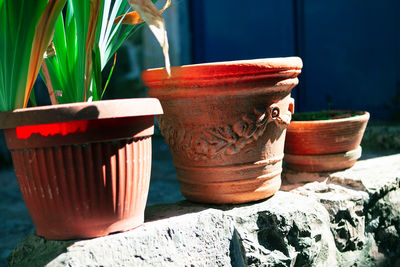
<point x="325" y="144"/>
<point x="83" y="168"/>
<point x="225" y="125"/>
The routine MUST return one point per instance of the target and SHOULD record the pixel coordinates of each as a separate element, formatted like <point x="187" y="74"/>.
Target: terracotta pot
<point x="325" y="145"/>
<point x="83" y="168"/>
<point x="225" y="125"/>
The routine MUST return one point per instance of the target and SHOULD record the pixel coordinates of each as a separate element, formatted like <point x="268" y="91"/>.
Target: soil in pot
<point x="324" y="115"/>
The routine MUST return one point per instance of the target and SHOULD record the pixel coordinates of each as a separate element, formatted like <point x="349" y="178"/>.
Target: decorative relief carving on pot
<point x="217" y="142"/>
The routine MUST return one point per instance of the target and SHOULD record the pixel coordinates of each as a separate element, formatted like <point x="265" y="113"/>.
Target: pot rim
<point x="225" y="69"/>
<point x="363" y="116"/>
<point x="104" y="109"/>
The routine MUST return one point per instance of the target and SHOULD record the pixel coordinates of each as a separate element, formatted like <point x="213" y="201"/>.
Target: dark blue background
<point x="350" y="48"/>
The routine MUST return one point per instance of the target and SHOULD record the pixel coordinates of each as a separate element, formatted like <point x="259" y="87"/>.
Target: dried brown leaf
<point x="151" y="15"/>
<point x="133" y="18"/>
<point x="91" y="37"/>
<point x="50" y="51"/>
<point x="47" y="79"/>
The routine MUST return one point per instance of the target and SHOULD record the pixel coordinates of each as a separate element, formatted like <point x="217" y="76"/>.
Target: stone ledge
<point x="344" y="218"/>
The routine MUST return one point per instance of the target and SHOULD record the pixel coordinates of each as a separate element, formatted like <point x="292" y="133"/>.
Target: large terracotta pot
<point x="225" y="125"/>
<point x="325" y="144"/>
<point x="83" y="168"/>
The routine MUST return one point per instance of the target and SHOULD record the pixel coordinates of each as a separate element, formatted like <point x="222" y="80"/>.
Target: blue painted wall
<point x="350" y="48"/>
<point x="236" y="29"/>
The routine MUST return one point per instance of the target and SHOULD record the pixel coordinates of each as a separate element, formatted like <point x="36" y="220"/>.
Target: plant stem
<point x="50" y="89"/>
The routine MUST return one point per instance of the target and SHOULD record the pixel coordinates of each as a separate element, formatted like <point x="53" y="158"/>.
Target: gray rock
<point x="369" y="255"/>
<point x="274" y="232"/>
<point x="384" y="222"/>
<point x="351" y="218"/>
<point x="346" y="212"/>
<point x="376" y="176"/>
<point x="363" y="204"/>
<point x="202" y="238"/>
<point x="286" y="230"/>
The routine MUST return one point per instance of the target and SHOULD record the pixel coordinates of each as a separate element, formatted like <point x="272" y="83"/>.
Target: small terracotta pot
<point x="83" y="168"/>
<point x="225" y="124"/>
<point x="325" y="145"/>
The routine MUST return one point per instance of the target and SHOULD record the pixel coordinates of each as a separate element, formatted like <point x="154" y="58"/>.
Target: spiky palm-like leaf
<point x="26" y="27"/>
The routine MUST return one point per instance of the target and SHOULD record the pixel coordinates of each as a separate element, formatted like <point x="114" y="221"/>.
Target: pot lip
<point x="363" y="116"/>
<point x="236" y="68"/>
<point x="104" y="109"/>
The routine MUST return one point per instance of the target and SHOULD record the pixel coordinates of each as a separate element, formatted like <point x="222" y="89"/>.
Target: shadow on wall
<point x="5" y="156"/>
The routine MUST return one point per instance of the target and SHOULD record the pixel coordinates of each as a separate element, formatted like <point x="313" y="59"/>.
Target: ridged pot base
<point x="320" y="163"/>
<point x="231" y="184"/>
<point x="90" y="183"/>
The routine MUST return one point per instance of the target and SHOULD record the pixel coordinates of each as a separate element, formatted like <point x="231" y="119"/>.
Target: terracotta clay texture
<point x="325" y="145"/>
<point x="323" y="163"/>
<point x="225" y="124"/>
<point x="87" y="175"/>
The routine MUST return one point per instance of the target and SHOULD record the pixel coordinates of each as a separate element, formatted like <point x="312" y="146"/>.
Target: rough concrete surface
<point x="348" y="218"/>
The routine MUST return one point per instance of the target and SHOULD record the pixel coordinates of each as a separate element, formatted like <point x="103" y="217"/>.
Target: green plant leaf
<point x="18" y="53"/>
<point x="41" y="40"/>
<point x="97" y="85"/>
<point x="109" y="76"/>
<point x="32" y="98"/>
<point x="84" y="47"/>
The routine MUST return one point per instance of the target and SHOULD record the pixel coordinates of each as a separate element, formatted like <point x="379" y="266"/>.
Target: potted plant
<point x="324" y="140"/>
<point x="83" y="168"/>
<point x="225" y="124"/>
